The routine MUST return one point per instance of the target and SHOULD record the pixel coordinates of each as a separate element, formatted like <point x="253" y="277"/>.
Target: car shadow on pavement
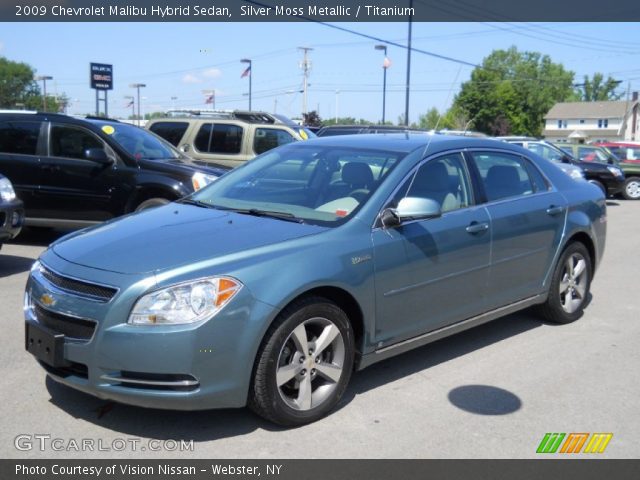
<point x="440" y="351"/>
<point x="12" y="264"/>
<point x="210" y="425"/>
<point x="199" y="426"/>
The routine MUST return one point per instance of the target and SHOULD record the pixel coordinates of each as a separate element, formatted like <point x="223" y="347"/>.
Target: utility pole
<point x="138" y="86"/>
<point x="44" y="79"/>
<point x="305" y="65"/>
<point x="406" y="101"/>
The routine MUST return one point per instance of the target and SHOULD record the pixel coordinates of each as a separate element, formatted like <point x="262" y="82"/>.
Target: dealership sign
<point x="101" y="76"/>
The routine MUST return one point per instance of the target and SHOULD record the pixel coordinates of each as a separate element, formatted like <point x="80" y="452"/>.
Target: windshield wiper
<point x="197" y="203"/>
<point x="286" y="216"/>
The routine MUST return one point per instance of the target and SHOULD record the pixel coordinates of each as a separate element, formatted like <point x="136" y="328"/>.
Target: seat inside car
<point x="503" y="181"/>
<point x="433" y="181"/>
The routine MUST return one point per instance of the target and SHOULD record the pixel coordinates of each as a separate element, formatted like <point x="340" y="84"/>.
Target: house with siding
<point x="594" y="121"/>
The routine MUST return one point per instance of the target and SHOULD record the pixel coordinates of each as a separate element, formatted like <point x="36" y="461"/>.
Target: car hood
<point x="185" y="165"/>
<point x="173" y="235"/>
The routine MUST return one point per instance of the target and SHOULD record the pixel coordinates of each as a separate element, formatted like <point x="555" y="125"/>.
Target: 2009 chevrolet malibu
<point x="271" y="285"/>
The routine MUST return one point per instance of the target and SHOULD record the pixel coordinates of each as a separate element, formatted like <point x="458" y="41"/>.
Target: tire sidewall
<point x="560" y="315"/>
<point x="626" y="183"/>
<point x="280" y="411"/>
<point x="151" y="203"/>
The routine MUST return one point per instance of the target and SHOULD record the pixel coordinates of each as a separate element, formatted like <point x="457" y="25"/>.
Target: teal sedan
<point x="270" y="286"/>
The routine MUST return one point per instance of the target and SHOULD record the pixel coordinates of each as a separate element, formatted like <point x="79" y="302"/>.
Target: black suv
<point x="332" y="130"/>
<point x="608" y="177"/>
<point x="74" y="172"/>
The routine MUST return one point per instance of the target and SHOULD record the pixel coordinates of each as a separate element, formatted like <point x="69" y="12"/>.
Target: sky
<point x="183" y="60"/>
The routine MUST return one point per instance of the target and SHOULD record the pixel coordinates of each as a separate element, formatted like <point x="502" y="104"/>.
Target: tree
<point x="512" y="91"/>
<point x="312" y="119"/>
<point x="597" y="89"/>
<point x="19" y="89"/>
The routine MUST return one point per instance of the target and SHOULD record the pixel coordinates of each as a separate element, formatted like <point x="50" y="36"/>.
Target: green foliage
<point x="312" y="119"/>
<point x="596" y="89"/>
<point x="18" y="89"/>
<point x="512" y="91"/>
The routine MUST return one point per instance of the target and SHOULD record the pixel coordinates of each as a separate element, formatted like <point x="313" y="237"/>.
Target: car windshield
<point x="139" y="143"/>
<point x="299" y="182"/>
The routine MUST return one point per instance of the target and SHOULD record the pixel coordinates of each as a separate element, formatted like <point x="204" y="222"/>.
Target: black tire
<point x="600" y="186"/>
<point x="152" y="203"/>
<point x="553" y="309"/>
<point x="278" y="353"/>
<point x="631" y="190"/>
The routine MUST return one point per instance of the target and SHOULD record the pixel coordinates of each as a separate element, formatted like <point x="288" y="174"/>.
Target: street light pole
<point x="385" y="65"/>
<point x="408" y="86"/>
<point x="44" y="79"/>
<point x="138" y="86"/>
<point x="337" y="93"/>
<point x="250" y="69"/>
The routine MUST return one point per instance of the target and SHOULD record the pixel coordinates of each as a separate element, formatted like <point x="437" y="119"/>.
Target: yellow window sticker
<point x="108" y="129"/>
<point x="303" y="134"/>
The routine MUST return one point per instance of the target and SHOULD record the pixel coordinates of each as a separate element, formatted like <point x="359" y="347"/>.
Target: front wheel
<point x="151" y="203"/>
<point x="631" y="189"/>
<point x="570" y="286"/>
<point x="304" y="364"/>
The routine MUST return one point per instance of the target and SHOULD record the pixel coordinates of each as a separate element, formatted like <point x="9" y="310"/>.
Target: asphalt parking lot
<point x="491" y="392"/>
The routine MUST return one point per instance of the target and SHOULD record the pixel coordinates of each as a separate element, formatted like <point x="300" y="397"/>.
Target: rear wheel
<point x="304" y="364"/>
<point x="631" y="189"/>
<point x="152" y="203"/>
<point x="570" y="286"/>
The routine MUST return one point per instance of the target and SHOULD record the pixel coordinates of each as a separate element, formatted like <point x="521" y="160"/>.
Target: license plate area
<point x="45" y="345"/>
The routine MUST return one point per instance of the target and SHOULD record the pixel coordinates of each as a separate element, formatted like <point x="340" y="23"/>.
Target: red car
<point x="626" y="152"/>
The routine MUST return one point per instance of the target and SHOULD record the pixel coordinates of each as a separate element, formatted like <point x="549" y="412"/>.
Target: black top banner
<point x="318" y="10"/>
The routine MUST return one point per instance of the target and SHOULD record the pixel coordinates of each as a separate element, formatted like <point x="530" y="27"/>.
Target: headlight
<point x="7" y="193"/>
<point x="615" y="171"/>
<point x="184" y="303"/>
<point x="201" y="180"/>
<point x="577" y="174"/>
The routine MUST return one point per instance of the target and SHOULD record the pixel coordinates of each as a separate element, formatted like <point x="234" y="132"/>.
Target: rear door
<point x="527" y="221"/>
<point x="21" y="142"/>
<point x="73" y="187"/>
<point x="222" y="143"/>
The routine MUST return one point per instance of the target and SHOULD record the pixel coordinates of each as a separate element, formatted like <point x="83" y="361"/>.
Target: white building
<point x="594" y="121"/>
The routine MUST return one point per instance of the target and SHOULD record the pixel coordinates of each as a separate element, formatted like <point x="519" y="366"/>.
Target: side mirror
<point x="184" y="148"/>
<point x="97" y="155"/>
<point x="410" y="208"/>
<point x="566" y="159"/>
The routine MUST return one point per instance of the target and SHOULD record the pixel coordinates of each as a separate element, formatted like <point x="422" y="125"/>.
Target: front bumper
<point x="182" y="367"/>
<point x="11" y="219"/>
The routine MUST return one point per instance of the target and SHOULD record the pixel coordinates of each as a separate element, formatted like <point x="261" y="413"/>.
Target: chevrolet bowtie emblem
<point x="47" y="300"/>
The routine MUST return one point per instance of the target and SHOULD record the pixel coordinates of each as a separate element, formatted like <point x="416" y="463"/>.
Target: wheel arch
<point x="587" y="241"/>
<point x="147" y="192"/>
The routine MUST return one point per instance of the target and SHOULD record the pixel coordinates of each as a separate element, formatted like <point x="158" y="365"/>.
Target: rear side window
<point x="72" y="142"/>
<point x="219" y="138"/>
<point x="19" y="137"/>
<point x="172" y="132"/>
<point x="268" y="138"/>
<point x="503" y="175"/>
<point x="545" y="151"/>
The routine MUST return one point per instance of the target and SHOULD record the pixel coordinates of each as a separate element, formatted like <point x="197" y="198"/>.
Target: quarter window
<point x="72" y="142"/>
<point x="268" y="138"/>
<point x="219" y="138"/>
<point x="19" y="137"/>
<point x="503" y="175"/>
<point x="172" y="132"/>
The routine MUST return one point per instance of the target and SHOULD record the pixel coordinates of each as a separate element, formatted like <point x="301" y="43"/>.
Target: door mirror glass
<point x="97" y="155"/>
<point x="413" y="208"/>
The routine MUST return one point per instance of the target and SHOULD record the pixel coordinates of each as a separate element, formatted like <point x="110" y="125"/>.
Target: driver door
<point x="433" y="272"/>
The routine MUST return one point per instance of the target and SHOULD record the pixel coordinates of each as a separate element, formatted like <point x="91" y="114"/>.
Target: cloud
<point x="212" y="73"/>
<point x="190" y="78"/>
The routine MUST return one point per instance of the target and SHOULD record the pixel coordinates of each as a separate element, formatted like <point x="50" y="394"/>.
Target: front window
<point x="592" y="154"/>
<point x="72" y="142"/>
<point x="311" y="184"/>
<point x="139" y="143"/>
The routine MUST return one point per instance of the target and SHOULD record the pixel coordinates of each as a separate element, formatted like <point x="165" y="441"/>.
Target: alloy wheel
<point x="310" y="364"/>
<point x="632" y="189"/>
<point x="573" y="283"/>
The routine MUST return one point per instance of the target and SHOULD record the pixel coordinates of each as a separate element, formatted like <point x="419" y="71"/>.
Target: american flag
<point x="130" y="104"/>
<point x="210" y="98"/>
<point x="247" y="72"/>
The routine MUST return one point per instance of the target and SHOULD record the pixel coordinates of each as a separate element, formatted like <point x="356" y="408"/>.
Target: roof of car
<point x="407" y="142"/>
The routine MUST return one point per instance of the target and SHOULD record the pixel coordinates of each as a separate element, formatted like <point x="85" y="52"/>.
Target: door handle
<point x="555" y="210"/>
<point x="476" y="227"/>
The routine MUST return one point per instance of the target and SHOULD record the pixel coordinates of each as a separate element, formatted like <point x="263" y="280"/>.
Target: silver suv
<point x="226" y="138"/>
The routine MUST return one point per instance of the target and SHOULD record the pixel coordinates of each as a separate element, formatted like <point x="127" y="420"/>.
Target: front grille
<point x="76" y="286"/>
<point x="69" y="326"/>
